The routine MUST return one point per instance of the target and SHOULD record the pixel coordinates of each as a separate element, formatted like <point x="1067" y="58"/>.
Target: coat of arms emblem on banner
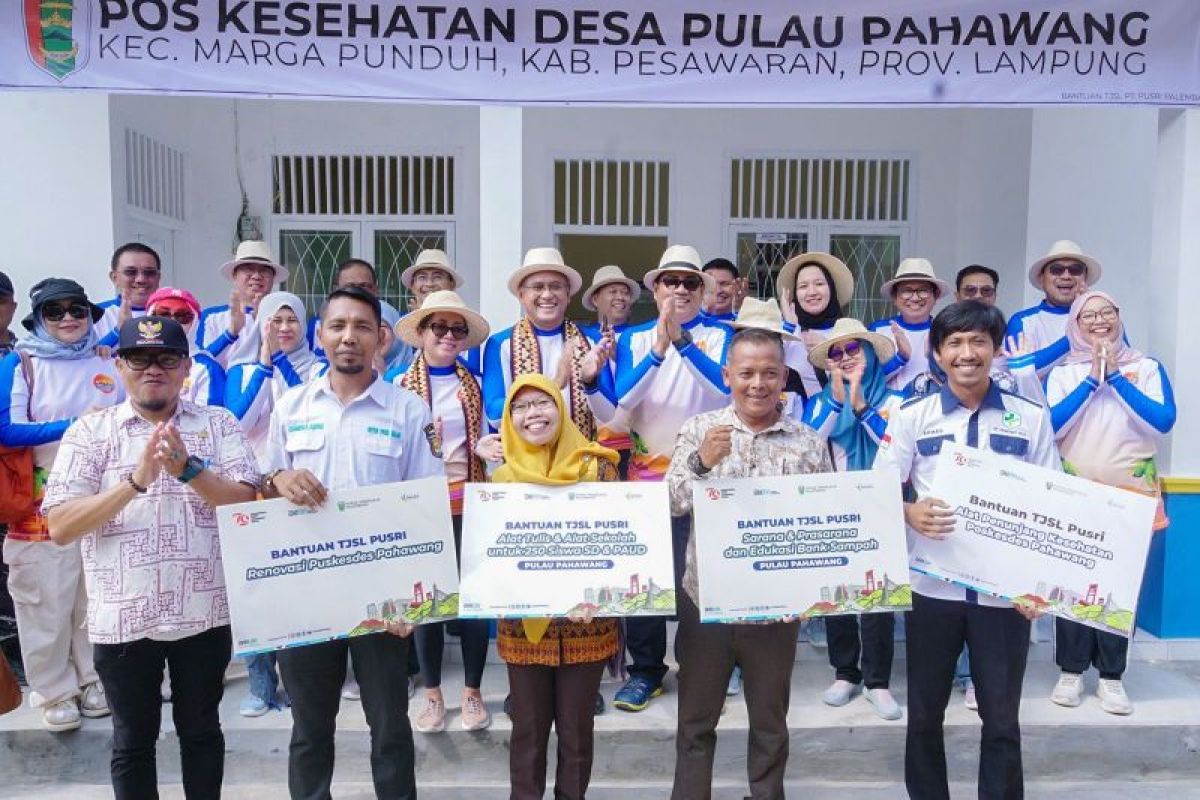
<point x="50" y="35"/>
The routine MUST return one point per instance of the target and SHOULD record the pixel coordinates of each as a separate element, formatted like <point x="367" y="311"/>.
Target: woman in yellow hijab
<point x="554" y="665"/>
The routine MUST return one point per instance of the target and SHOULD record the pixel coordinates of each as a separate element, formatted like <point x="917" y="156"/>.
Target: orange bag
<point x="16" y="470"/>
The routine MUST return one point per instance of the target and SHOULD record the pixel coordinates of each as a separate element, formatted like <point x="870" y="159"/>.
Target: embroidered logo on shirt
<point x="104" y="384"/>
<point x="1011" y="419"/>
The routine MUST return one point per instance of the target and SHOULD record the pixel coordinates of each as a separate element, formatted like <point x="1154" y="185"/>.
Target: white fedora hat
<point x="843" y="279"/>
<point x="544" y="259"/>
<point x="409" y="326"/>
<point x="846" y="329"/>
<point x="1064" y="250"/>
<point x="605" y="276"/>
<point x="915" y="269"/>
<point x="254" y="251"/>
<point x="680" y="258"/>
<point x="763" y="315"/>
<point x="431" y="259"/>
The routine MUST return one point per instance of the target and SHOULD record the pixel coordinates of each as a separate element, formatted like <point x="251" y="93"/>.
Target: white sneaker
<point x="840" y="692"/>
<point x="61" y="716"/>
<point x="970" y="700"/>
<point x="350" y="690"/>
<point x="1113" y="698"/>
<point x="93" y="703"/>
<point x="1069" y="690"/>
<point x="885" y="704"/>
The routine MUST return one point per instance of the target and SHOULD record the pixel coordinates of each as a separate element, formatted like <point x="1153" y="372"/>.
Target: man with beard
<point x="344" y="429"/>
<point x="123" y="478"/>
<point x="1062" y="274"/>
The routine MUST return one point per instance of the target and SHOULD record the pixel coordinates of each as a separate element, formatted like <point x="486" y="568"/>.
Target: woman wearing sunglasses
<point x="54" y="376"/>
<point x="1110" y="406"/>
<point x="205" y="384"/>
<point x="852" y="412"/>
<point x="441" y="330"/>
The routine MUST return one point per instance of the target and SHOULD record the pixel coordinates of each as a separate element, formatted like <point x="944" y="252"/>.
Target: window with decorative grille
<point x="594" y="193"/>
<point x="363" y="185"/>
<point x="154" y="176"/>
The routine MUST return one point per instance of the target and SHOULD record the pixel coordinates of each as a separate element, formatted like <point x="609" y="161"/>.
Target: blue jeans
<point x="962" y="669"/>
<point x="264" y="680"/>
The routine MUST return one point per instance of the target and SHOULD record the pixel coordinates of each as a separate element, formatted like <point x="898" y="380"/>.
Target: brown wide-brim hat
<point x="843" y="279"/>
<point x="1065" y="250"/>
<point x="846" y="329"/>
<point x="408" y="329"/>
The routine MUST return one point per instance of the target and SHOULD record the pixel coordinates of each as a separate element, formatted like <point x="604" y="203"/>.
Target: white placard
<point x="536" y="551"/>
<point x="1041" y="538"/>
<point x="812" y="545"/>
<point x="369" y="556"/>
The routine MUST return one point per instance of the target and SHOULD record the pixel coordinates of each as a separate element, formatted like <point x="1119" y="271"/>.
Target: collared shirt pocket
<point x="1008" y="445"/>
<point x="384" y="443"/>
<point x="304" y="439"/>
<point x="932" y="445"/>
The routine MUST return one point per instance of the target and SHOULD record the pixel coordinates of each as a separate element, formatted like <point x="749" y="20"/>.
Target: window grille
<point x="411" y="185"/>
<point x="154" y="176"/>
<point x="590" y="192"/>
<point x="858" y="189"/>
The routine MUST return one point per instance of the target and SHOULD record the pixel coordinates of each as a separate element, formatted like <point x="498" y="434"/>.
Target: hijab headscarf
<point x="41" y="344"/>
<point x="828" y="315"/>
<point x="848" y="432"/>
<point x="301" y="357"/>
<point x="568" y="458"/>
<point x="1120" y="353"/>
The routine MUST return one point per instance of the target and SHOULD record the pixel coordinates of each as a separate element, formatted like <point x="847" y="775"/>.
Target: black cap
<point x="6" y="287"/>
<point x="50" y="289"/>
<point x="153" y="333"/>
<point x="721" y="263"/>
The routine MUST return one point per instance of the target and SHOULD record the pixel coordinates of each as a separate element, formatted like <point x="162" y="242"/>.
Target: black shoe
<point x="599" y="706"/>
<point x="508" y="704"/>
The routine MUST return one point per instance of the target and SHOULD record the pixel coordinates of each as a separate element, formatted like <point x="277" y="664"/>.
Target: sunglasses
<point x="848" y="350"/>
<point x="1075" y="269"/>
<point x="689" y="282"/>
<point x="139" y="362"/>
<point x="183" y="316"/>
<point x="53" y="312"/>
<point x="440" y="329"/>
<point x="978" y="291"/>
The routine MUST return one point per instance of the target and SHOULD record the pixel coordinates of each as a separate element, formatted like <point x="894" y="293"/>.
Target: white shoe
<point x="840" y="692"/>
<point x="350" y="690"/>
<point x="61" y="716"/>
<point x="1069" y="690"/>
<point x="885" y="704"/>
<point x="970" y="700"/>
<point x="93" y="703"/>
<point x="1113" y="698"/>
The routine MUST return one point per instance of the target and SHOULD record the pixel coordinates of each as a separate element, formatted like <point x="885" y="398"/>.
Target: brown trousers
<point x="707" y="653"/>
<point x="564" y="697"/>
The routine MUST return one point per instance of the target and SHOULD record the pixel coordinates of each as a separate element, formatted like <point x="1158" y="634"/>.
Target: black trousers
<point x="1077" y="647"/>
<point x="999" y="644"/>
<point x="646" y="637"/>
<point x="313" y="676"/>
<point x="132" y="674"/>
<point x="874" y="651"/>
<point x="430" y="639"/>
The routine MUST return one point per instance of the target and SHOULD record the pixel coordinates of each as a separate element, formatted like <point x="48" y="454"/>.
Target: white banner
<point x="541" y="551"/>
<point x="1066" y="545"/>
<point x="812" y="545"/>
<point x="368" y="557"/>
<point x="674" y="52"/>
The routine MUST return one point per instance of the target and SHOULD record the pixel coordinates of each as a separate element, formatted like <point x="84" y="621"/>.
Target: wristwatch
<point x="685" y="338"/>
<point x="191" y="468"/>
<point x="696" y="465"/>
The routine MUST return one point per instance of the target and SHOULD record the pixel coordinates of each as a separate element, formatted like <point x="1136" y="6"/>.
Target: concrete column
<point x="56" y="207"/>
<point x="501" y="198"/>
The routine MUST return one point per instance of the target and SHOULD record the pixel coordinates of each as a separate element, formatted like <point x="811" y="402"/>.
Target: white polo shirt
<point x="1004" y="423"/>
<point x="384" y="435"/>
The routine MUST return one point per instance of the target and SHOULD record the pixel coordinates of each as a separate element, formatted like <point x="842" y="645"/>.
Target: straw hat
<point x="603" y="277"/>
<point x="544" y="259"/>
<point x="409" y="326"/>
<point x="1062" y="250"/>
<point x="432" y="259"/>
<point x="843" y="279"/>
<point x="762" y="315"/>
<point x="254" y="251"/>
<point x="915" y="269"/>
<point x="846" y="329"/>
<point x="680" y="258"/>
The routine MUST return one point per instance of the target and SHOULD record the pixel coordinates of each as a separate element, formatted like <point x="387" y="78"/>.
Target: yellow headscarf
<point x="569" y="458"/>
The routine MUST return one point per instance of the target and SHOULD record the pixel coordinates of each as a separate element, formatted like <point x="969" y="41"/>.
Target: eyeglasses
<point x="848" y="350"/>
<point x="1074" y="269"/>
<point x="919" y="292"/>
<point x="544" y="404"/>
<point x="132" y="274"/>
<point x="1106" y="314"/>
<point x="53" y="312"/>
<point x="978" y="291"/>
<point x="183" y="316"/>
<point x="556" y="287"/>
<point x="139" y="362"/>
<point x="440" y="329"/>
<point x="689" y="282"/>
